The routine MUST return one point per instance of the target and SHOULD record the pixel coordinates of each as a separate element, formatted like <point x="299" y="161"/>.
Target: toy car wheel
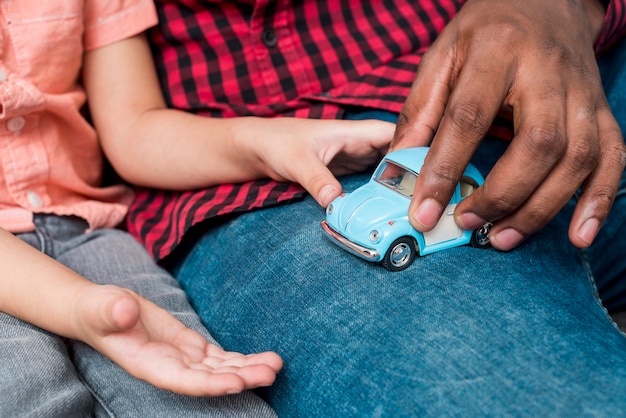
<point x="480" y="236"/>
<point x="400" y="254"/>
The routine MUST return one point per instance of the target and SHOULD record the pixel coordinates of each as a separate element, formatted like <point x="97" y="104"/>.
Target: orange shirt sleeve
<point x="110" y="21"/>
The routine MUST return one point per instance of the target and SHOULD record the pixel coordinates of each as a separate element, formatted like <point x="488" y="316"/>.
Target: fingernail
<point x="428" y="213"/>
<point x="470" y="221"/>
<point x="507" y="239"/>
<point x="588" y="231"/>
<point x="326" y="194"/>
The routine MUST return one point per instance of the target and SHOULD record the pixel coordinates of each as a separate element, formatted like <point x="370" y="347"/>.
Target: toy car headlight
<point x="329" y="209"/>
<point x="374" y="236"/>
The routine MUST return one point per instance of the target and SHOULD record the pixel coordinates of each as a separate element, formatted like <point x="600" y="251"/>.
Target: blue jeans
<point x="42" y="374"/>
<point x="463" y="332"/>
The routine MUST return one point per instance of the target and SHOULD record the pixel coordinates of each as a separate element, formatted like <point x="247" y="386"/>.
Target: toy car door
<point x="446" y="229"/>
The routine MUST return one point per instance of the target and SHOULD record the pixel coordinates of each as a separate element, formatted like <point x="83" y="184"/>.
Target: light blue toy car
<point x="372" y="221"/>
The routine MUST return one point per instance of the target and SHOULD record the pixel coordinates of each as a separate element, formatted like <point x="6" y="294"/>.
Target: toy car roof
<point x="413" y="159"/>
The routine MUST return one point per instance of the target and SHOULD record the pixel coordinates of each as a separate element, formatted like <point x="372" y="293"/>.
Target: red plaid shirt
<point x="272" y="58"/>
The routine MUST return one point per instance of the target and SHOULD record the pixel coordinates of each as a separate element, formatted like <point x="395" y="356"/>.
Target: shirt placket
<point x="25" y="165"/>
<point x="23" y="153"/>
<point x="272" y="42"/>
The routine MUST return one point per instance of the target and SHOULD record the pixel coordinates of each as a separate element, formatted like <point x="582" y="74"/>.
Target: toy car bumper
<point x="356" y="249"/>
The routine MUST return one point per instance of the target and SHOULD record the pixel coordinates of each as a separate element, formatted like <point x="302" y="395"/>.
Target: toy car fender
<point x="372" y="221"/>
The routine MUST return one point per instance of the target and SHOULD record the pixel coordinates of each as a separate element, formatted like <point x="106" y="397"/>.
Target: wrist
<point x="252" y="139"/>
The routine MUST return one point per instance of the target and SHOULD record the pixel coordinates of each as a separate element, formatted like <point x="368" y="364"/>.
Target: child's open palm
<point x="152" y="345"/>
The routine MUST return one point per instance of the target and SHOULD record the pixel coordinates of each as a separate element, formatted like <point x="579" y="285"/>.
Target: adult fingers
<point x="539" y="144"/>
<point x="580" y="158"/>
<point x="478" y="94"/>
<point x="424" y="107"/>
<point x="551" y="196"/>
<point x="599" y="191"/>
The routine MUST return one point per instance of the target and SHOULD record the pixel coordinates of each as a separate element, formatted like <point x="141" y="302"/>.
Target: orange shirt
<point x="50" y="159"/>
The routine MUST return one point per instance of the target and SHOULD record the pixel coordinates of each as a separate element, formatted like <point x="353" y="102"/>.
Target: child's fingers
<point x="268" y="358"/>
<point x="217" y="356"/>
<point x="317" y="179"/>
<point x="221" y="382"/>
<point x="192" y="382"/>
<point x="213" y="376"/>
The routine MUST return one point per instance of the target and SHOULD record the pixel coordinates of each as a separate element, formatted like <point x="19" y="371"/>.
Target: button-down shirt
<point x="271" y="58"/>
<point x="50" y="160"/>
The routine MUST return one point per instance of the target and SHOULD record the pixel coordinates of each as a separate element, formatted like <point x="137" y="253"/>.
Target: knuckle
<point x="497" y="202"/>
<point x="403" y="118"/>
<point x="587" y="114"/>
<point x="406" y="118"/>
<point x="603" y="196"/>
<point x="445" y="175"/>
<point x="402" y="124"/>
<point x="616" y="150"/>
<point x="535" y="217"/>
<point x="585" y="155"/>
<point x="556" y="54"/>
<point x="556" y="50"/>
<point x="546" y="140"/>
<point x="502" y="205"/>
<point x="504" y="33"/>
<point x="469" y="118"/>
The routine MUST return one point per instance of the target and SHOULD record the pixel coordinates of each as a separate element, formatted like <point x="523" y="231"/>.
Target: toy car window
<point x="397" y="178"/>
<point x="468" y="186"/>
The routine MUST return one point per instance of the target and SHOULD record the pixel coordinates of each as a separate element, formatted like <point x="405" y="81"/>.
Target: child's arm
<point x="128" y="329"/>
<point x="157" y="147"/>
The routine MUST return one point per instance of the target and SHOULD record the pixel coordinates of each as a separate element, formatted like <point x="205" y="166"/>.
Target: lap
<point x="460" y="332"/>
<point x="445" y="336"/>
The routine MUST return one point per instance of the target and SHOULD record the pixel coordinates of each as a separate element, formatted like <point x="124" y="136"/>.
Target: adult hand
<point x="152" y="345"/>
<point x="536" y="58"/>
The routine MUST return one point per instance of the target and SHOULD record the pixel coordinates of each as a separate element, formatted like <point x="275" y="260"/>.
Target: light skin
<point x="536" y="59"/>
<point x="131" y="331"/>
<point x="154" y="146"/>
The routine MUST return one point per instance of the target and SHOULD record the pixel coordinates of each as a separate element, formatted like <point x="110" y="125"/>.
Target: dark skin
<point x="535" y="58"/>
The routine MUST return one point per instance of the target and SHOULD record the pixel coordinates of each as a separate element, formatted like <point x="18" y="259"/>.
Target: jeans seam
<point x="594" y="288"/>
<point x="96" y="396"/>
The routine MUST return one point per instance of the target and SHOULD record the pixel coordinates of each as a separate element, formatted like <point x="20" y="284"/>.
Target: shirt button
<point x="16" y="124"/>
<point x="36" y="202"/>
<point x="269" y="37"/>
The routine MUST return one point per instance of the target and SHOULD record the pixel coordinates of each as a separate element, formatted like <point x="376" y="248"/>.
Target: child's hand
<point x="311" y="151"/>
<point x="152" y="345"/>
